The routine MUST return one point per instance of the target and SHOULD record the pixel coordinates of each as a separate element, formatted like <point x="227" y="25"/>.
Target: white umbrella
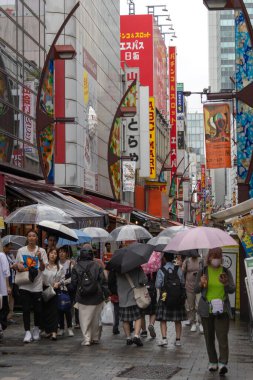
<point x="35" y="213"/>
<point x="172" y="231"/>
<point x="17" y="241"/>
<point x="130" y="232"/>
<point x="97" y="234"/>
<point x="58" y="229"/>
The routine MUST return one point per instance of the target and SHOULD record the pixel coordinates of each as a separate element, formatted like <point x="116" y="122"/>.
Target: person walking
<point x="128" y="310"/>
<point x="151" y="309"/>
<point x="4" y="291"/>
<point x="215" y="283"/>
<point x="88" y="279"/>
<point x="11" y="260"/>
<point x="33" y="259"/>
<point x="65" y="254"/>
<point x="172" y="298"/>
<point x="190" y="268"/>
<point x="112" y="285"/>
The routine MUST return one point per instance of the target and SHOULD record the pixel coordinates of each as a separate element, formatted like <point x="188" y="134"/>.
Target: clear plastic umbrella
<point x="159" y="242"/>
<point x="97" y="234"/>
<point x="173" y="231"/>
<point x="17" y="241"/>
<point x="35" y="213"/>
<point x="130" y="232"/>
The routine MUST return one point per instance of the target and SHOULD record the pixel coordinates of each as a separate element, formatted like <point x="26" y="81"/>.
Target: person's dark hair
<point x="54" y="236"/>
<point x="57" y="257"/>
<point x="68" y="250"/>
<point x="86" y="253"/>
<point x="168" y="257"/>
<point x="213" y="252"/>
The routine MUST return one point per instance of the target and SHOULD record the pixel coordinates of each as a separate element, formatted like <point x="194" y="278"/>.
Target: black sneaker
<point x="137" y="341"/>
<point x="144" y="334"/>
<point x="129" y="341"/>
<point x="116" y="332"/>
<point x="151" y="330"/>
<point x="222" y="369"/>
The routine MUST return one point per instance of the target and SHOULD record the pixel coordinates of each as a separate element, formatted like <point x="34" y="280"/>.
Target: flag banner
<point x="217" y="135"/>
<point x="128" y="168"/>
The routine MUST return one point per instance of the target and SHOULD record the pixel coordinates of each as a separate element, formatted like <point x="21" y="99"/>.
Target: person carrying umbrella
<point x="214" y="282"/>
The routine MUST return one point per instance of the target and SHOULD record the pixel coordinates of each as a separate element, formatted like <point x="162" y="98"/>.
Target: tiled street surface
<point x="67" y="359"/>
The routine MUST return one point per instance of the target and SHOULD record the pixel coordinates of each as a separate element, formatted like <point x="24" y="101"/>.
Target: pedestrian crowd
<point x="56" y="288"/>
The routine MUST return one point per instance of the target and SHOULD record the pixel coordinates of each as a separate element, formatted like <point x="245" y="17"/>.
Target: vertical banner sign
<point x="152" y="138"/>
<point x="203" y="187"/>
<point x="180" y="98"/>
<point x="217" y="135"/>
<point x="128" y="168"/>
<point x="173" y="108"/>
<point x="28" y="108"/>
<point x="244" y="113"/>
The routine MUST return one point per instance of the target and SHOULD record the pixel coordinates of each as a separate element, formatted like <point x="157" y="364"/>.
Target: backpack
<point x="88" y="285"/>
<point x="172" y="292"/>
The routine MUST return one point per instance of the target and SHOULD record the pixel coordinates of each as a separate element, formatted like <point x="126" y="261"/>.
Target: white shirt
<point x="4" y="273"/>
<point x="28" y="258"/>
<point x="51" y="275"/>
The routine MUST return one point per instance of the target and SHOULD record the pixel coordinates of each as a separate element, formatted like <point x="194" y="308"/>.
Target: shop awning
<point x="108" y="204"/>
<point x="232" y="212"/>
<point x="83" y="215"/>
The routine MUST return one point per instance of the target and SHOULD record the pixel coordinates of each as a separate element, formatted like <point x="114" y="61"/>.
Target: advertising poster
<point x="160" y="71"/>
<point x="217" y="135"/>
<point x="173" y="108"/>
<point x="243" y="228"/>
<point x="249" y="272"/>
<point x="152" y="137"/>
<point x="128" y="169"/>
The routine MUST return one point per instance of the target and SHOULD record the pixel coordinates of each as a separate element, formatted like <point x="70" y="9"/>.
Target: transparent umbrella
<point x="159" y="242"/>
<point x="97" y="234"/>
<point x="35" y="213"/>
<point x="173" y="231"/>
<point x="17" y="241"/>
<point x="130" y="232"/>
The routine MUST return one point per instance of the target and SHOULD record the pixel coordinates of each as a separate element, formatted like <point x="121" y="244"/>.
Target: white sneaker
<point x="201" y="330"/>
<point x="163" y="342"/>
<point x="187" y="323"/>
<point x="212" y="367"/>
<point x="70" y="332"/>
<point x="60" y="333"/>
<point x="28" y="337"/>
<point x="178" y="343"/>
<point x="193" y="328"/>
<point x="36" y="334"/>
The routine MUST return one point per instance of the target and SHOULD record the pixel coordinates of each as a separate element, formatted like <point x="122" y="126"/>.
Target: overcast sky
<point x="189" y="18"/>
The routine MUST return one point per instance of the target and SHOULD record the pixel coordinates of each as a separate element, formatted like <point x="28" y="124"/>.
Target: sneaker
<point x="222" y="369"/>
<point x="212" y="367"/>
<point x="201" y="330"/>
<point x="60" y="332"/>
<point x="187" y="323"/>
<point x="193" y="328"/>
<point x="129" y="341"/>
<point x="116" y="332"/>
<point x="36" y="334"/>
<point x="144" y="334"/>
<point x="28" y="337"/>
<point x="70" y="332"/>
<point x="178" y="343"/>
<point x="151" y="330"/>
<point x="137" y="341"/>
<point x="85" y="343"/>
<point x="163" y="342"/>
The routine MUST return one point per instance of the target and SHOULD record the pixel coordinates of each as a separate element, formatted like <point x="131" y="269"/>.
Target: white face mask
<point x="216" y="263"/>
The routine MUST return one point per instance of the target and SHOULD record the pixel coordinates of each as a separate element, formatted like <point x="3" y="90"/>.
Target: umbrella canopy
<point x="128" y="258"/>
<point x="17" y="241"/>
<point x="58" y="229"/>
<point x="130" y="232"/>
<point x="82" y="238"/>
<point x="33" y="214"/>
<point x="159" y="242"/>
<point x="97" y="234"/>
<point x="154" y="263"/>
<point x="172" y="231"/>
<point x="200" y="238"/>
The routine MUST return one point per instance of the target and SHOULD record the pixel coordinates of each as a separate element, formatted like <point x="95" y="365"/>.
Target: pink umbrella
<point x="200" y="238"/>
<point x="153" y="264"/>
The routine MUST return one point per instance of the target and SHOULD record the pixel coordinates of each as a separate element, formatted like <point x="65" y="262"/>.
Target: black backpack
<point x="88" y="285"/>
<point x="172" y="292"/>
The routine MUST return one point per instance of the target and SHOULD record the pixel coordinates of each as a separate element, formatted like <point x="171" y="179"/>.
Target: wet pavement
<point x="112" y="359"/>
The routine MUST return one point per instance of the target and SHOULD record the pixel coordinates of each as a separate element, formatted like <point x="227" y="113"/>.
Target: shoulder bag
<point x="141" y="294"/>
<point x="22" y="278"/>
<point x="48" y="293"/>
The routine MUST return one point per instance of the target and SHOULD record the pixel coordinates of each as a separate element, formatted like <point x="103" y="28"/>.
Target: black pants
<point x="68" y="316"/>
<point x="4" y="312"/>
<point x="76" y="316"/>
<point x="116" y="316"/>
<point x="31" y="300"/>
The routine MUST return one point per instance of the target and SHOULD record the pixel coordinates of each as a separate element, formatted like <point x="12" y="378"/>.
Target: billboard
<point x="136" y="46"/>
<point x="160" y="71"/>
<point x="152" y="138"/>
<point x="173" y="108"/>
<point x="217" y="135"/>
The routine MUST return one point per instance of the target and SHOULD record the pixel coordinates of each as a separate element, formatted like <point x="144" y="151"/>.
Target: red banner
<point x="217" y="135"/>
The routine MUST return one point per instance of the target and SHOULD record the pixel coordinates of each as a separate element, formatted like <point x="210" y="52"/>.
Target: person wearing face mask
<point x="215" y="282"/>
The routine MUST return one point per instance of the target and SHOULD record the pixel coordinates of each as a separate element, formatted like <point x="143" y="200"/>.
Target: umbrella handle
<point x="40" y="237"/>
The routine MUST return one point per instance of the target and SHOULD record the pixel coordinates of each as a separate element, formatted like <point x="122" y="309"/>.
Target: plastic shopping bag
<point x="107" y="314"/>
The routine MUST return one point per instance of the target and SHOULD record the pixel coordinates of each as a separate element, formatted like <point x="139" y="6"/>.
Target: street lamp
<point x="45" y="112"/>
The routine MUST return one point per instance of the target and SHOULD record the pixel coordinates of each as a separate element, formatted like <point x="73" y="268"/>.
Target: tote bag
<point x="22" y="278"/>
<point x="141" y="294"/>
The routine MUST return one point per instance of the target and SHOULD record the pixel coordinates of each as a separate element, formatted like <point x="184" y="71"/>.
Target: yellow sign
<point x="152" y="137"/>
<point x="1" y="223"/>
<point x="162" y="186"/>
<point x="85" y="87"/>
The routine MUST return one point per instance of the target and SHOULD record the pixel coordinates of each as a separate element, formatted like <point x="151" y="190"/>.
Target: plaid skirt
<point x="130" y="313"/>
<point x="172" y="314"/>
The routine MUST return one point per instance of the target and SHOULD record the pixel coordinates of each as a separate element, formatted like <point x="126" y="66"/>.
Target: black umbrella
<point x="128" y="258"/>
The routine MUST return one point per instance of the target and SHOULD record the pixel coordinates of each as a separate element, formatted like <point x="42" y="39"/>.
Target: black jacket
<point x="98" y="274"/>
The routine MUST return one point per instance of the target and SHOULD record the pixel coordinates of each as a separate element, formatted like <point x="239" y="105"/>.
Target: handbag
<point x="22" y="278"/>
<point x="63" y="301"/>
<point x="48" y="293"/>
<point x="141" y="294"/>
<point x="107" y="314"/>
